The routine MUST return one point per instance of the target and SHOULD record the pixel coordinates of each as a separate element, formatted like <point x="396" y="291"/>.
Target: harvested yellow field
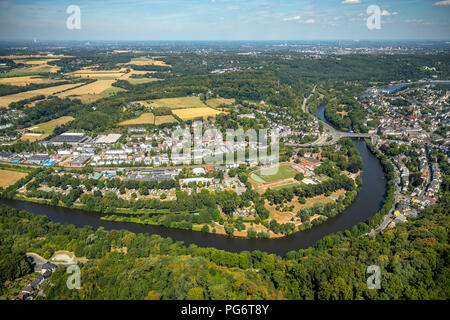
<point x="33" y="136"/>
<point x="192" y="113"/>
<point x="6" y="100"/>
<point x="25" y="80"/>
<point x="145" y="118"/>
<point x="178" y="103"/>
<point x="164" y="119"/>
<point x="101" y="74"/>
<point x="141" y="80"/>
<point x="96" y="87"/>
<point x="9" y="177"/>
<point x="143" y="61"/>
<point x="34" y="62"/>
<point x="215" y="102"/>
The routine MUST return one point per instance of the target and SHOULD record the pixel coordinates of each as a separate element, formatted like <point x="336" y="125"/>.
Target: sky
<point x="225" y="20"/>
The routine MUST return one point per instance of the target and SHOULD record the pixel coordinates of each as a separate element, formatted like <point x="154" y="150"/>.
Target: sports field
<point x="283" y="172"/>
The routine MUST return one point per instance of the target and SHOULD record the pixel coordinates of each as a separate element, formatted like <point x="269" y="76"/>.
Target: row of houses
<point x="45" y="272"/>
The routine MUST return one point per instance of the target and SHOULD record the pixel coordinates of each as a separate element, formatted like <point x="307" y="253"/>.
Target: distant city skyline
<point x="225" y="20"/>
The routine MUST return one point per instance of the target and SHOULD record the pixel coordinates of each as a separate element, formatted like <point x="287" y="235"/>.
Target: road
<point x="328" y="130"/>
<point x="388" y="218"/>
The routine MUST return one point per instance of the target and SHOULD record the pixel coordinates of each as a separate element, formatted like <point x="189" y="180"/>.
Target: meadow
<point x="215" y="102"/>
<point x="43" y="130"/>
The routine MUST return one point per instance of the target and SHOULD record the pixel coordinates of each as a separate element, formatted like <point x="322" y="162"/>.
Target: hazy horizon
<point x="225" y="20"/>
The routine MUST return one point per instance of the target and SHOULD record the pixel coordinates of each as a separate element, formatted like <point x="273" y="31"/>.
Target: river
<point x="366" y="204"/>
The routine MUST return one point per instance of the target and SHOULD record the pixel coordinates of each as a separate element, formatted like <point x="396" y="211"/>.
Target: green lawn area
<point x="283" y="172"/>
<point x="48" y="127"/>
<point x="110" y="91"/>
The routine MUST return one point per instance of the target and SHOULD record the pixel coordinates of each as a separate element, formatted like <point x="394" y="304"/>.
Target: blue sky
<point x="225" y="20"/>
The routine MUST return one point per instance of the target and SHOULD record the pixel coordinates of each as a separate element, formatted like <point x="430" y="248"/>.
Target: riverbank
<point x="368" y="202"/>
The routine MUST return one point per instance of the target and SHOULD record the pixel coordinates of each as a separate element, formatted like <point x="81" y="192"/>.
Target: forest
<point x="413" y="257"/>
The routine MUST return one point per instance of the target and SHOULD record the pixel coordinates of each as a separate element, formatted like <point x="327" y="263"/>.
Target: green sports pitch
<point x="284" y="172"/>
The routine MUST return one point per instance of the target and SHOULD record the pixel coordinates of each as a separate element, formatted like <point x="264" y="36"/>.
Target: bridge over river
<point x="330" y="131"/>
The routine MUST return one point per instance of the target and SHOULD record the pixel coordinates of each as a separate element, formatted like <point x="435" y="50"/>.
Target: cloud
<point x="300" y="20"/>
<point x="442" y="3"/>
<point x="351" y="1"/>
<point x="309" y="21"/>
<point x="418" y="21"/>
<point x="233" y="7"/>
<point x="292" y="18"/>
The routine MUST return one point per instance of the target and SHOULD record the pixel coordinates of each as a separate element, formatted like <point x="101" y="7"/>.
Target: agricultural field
<point x="43" y="130"/>
<point x="100" y="74"/>
<point x="192" y="113"/>
<point x="37" y="65"/>
<point x="178" y="103"/>
<point x="144" y="61"/>
<point x="145" y="118"/>
<point x="149" y="118"/>
<point x="25" y="80"/>
<point x="134" y="81"/>
<point x="93" y="88"/>
<point x="9" y="177"/>
<point x="215" y="102"/>
<point x="6" y="100"/>
<point x="164" y="119"/>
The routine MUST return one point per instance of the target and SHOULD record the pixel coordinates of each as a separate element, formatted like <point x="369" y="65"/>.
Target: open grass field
<point x="25" y="80"/>
<point x="43" y="130"/>
<point x="9" y="177"/>
<point x="178" y="103"/>
<point x="283" y="172"/>
<point x="48" y="127"/>
<point x="192" y="113"/>
<point x="6" y="100"/>
<point x="215" y="102"/>
<point x="145" y="118"/>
